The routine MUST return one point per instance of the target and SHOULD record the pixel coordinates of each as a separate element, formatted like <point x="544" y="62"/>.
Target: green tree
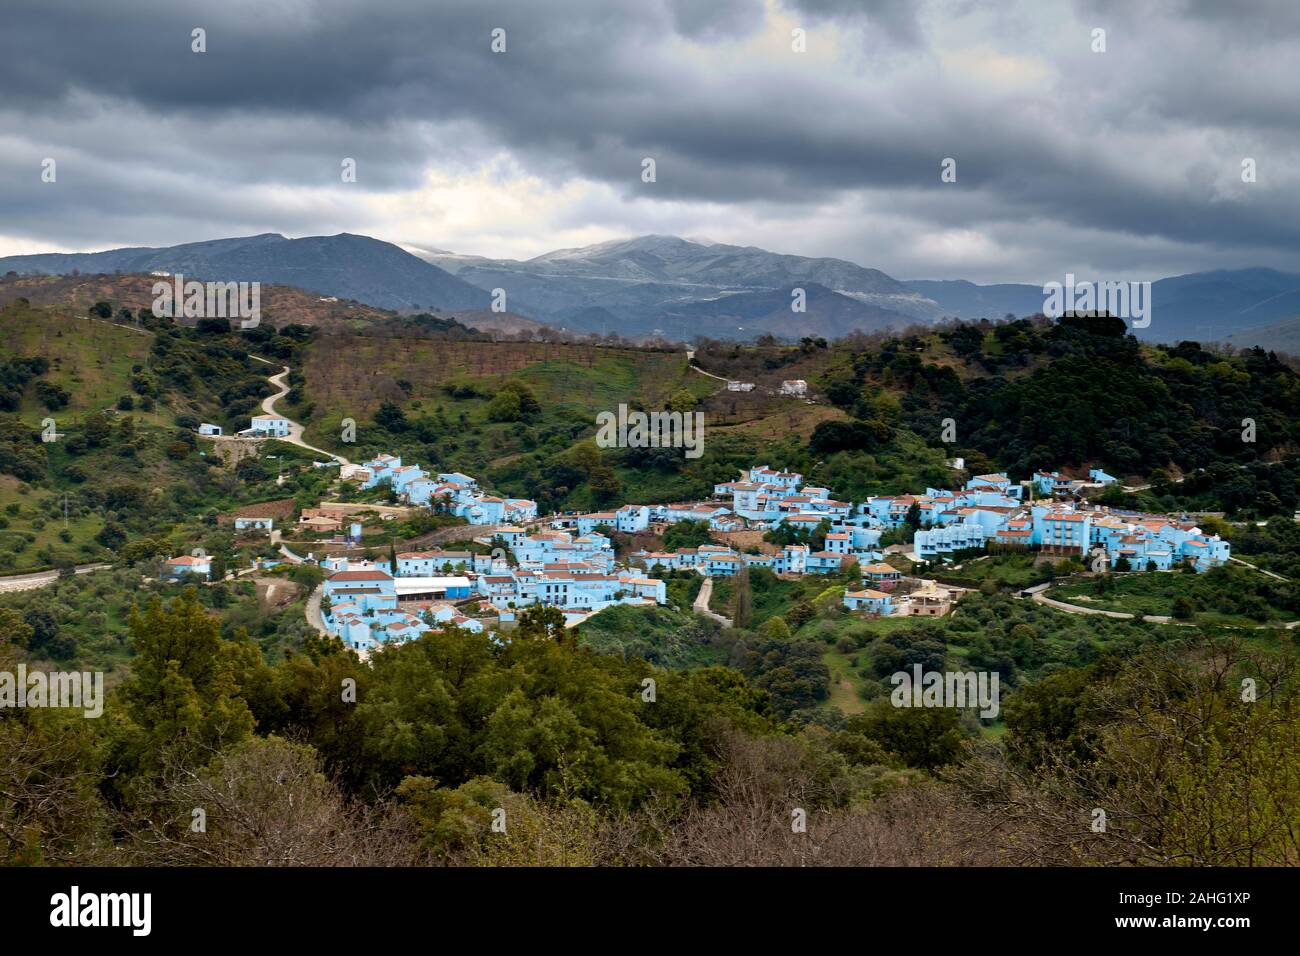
<point x="922" y="737"/>
<point x="682" y="401"/>
<point x="742" y="600"/>
<point x="391" y="418"/>
<point x="505" y="407"/>
<point x="13" y="628"/>
<point x="183" y="695"/>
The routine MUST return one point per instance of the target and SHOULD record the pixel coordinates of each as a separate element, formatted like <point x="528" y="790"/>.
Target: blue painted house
<point x="869" y="600"/>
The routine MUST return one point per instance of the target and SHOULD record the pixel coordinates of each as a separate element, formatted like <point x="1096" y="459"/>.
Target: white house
<point x="267" y="426"/>
<point x="207" y="429"/>
<point x="795" y="386"/>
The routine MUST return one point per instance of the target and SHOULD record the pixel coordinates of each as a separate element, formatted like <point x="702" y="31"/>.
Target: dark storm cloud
<point x="1142" y="144"/>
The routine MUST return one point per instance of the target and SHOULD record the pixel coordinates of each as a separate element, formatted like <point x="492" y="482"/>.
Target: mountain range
<point x="354" y="267"/>
<point x="681" y="288"/>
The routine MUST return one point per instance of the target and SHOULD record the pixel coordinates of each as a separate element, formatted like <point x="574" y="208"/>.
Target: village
<point x="570" y="561"/>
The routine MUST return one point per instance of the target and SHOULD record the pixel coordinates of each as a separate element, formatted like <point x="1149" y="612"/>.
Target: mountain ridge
<point x="665" y="284"/>
<point x="346" y="265"/>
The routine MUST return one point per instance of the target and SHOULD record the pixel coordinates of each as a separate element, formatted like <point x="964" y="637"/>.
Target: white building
<point x="209" y="429"/>
<point x="795" y="386"/>
<point x="267" y="426"/>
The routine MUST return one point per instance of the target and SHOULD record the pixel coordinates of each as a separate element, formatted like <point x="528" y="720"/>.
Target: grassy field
<point x="91" y="360"/>
<point x="33" y="534"/>
<point x="352" y="375"/>
<point x="845" y="681"/>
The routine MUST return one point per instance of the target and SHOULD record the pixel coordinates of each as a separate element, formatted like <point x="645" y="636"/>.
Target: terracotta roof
<point x="370" y="575"/>
<point x="866" y="593"/>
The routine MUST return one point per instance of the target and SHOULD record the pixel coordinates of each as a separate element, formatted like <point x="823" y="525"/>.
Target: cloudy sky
<point x="1124" y="163"/>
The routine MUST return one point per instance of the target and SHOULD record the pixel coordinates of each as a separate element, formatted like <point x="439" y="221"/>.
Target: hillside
<point x="646" y="281"/>
<point x="1079" y="393"/>
<point x="125" y="466"/>
<point x="348" y="266"/>
<point x="960" y="299"/>
<point x="521" y="416"/>
<point x="1283" y="336"/>
<point x="653" y="286"/>
<point x="446" y="390"/>
<point x="280" y="304"/>
<point x="1238" y="305"/>
<point x="827" y="314"/>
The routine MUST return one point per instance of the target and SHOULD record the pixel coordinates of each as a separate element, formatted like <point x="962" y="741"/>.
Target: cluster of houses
<point x="578" y="575"/>
<point x="717" y="560"/>
<point x="990" y="509"/>
<point x="569" y="562"/>
<point x="367" y="606"/>
<point x="795" y="387"/>
<point x="456" y="493"/>
<point x="261" y="426"/>
<point x="631" y="519"/>
<point x="572" y="565"/>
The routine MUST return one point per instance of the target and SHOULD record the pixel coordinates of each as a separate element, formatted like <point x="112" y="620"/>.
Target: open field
<point x="354" y="374"/>
<point x="92" y="361"/>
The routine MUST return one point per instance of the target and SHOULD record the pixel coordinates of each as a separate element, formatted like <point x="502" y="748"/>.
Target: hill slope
<point x="346" y="265"/>
<point x="639" y="280"/>
<point x="1200" y="306"/>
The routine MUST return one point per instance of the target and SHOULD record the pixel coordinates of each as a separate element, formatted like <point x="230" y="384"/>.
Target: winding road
<point x="1040" y="597"/>
<point x="40" y="579"/>
<point x="280" y="381"/>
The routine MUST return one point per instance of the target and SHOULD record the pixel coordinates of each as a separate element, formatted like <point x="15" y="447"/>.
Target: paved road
<point x="26" y="582"/>
<point x="701" y="605"/>
<point x="280" y="381"/>
<point x="313" y="610"/>
<point x="1041" y="598"/>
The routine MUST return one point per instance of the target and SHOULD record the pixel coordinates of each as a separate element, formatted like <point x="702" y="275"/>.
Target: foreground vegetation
<point x="600" y="759"/>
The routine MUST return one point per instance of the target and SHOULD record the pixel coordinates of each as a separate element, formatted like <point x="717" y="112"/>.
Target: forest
<point x="591" y="758"/>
